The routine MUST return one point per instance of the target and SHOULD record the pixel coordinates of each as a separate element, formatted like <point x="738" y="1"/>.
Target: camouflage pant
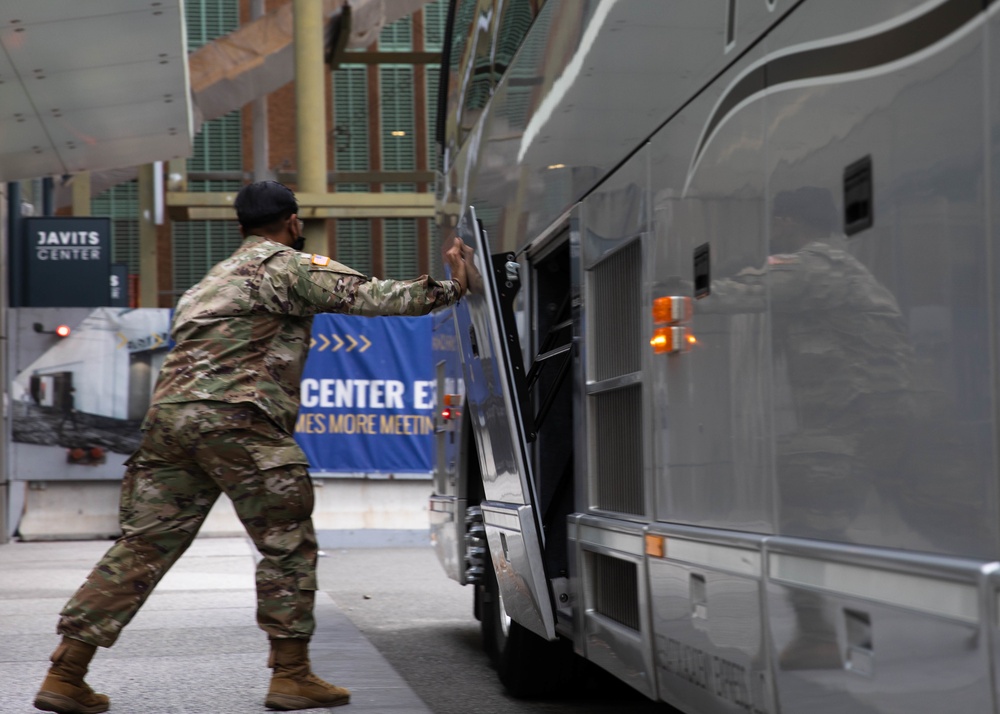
<point x="190" y="453"/>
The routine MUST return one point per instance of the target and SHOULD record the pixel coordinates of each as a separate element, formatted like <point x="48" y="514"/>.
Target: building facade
<point x="380" y="129"/>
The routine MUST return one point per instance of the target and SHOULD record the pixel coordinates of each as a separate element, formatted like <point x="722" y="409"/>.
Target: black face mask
<point x="299" y="243"/>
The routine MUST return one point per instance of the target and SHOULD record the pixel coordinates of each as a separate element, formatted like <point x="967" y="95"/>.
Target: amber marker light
<point x="661" y="310"/>
<point x="656" y="545"/>
<point x="662" y="341"/>
<point x="667" y="340"/>
<point x="63" y="330"/>
<point x="672" y="310"/>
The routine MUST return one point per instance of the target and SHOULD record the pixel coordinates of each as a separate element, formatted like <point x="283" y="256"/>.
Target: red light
<point x="63" y="330"/>
<point x="446" y="413"/>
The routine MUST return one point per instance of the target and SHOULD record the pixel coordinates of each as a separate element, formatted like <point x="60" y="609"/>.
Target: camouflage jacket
<point x="242" y="334"/>
<point x="840" y="330"/>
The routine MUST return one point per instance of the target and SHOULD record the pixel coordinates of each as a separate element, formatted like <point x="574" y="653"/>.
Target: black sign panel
<point x="67" y="261"/>
<point x="119" y="285"/>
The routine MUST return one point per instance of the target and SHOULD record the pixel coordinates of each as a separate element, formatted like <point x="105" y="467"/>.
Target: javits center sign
<point x="67" y="262"/>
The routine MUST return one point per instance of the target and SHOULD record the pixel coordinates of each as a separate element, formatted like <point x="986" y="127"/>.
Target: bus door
<point x="495" y="391"/>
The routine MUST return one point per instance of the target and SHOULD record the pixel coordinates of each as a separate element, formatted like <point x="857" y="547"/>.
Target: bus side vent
<point x="616" y="589"/>
<point x="615" y="309"/>
<point x="617" y="420"/>
<point x="614" y="368"/>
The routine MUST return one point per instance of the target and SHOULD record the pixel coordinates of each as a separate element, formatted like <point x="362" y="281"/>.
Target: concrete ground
<point x="193" y="648"/>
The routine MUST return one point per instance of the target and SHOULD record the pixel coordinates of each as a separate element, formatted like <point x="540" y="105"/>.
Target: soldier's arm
<point x="784" y="282"/>
<point x="323" y="285"/>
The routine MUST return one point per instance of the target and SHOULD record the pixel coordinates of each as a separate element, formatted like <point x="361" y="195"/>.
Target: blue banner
<point x="368" y="395"/>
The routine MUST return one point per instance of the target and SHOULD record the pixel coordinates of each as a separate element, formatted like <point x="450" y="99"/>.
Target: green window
<point x="121" y="204"/>
<point x="433" y="81"/>
<point x="350" y="122"/>
<point x="198" y="245"/>
<point x="398" y="125"/>
<point x="435" y="17"/>
<point x="351" y="147"/>
<point x="208" y="19"/>
<point x="400" y="248"/>
<point x="354" y="244"/>
<point x="397" y="37"/>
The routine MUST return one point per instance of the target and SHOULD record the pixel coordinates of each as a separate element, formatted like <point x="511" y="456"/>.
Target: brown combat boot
<point x="64" y="690"/>
<point x="293" y="685"/>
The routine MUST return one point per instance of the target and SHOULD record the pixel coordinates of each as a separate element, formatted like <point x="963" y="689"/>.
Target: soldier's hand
<point x="454" y="258"/>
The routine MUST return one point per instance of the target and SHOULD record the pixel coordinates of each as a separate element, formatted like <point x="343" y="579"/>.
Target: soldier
<point x="841" y="342"/>
<point x="221" y="420"/>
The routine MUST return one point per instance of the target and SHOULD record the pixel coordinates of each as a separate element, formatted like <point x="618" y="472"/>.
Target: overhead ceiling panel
<point x="91" y="85"/>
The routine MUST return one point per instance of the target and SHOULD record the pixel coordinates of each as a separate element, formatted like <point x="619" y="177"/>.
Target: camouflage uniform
<point x="222" y="417"/>
<point x="842" y="337"/>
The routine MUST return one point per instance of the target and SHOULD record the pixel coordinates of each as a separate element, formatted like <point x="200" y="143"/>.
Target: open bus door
<point x="494" y="382"/>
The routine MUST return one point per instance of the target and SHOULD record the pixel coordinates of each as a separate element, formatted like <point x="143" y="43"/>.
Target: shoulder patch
<point x="323" y="264"/>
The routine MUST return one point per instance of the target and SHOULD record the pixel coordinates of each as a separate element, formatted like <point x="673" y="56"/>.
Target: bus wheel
<point x="529" y="666"/>
<point x="494" y="622"/>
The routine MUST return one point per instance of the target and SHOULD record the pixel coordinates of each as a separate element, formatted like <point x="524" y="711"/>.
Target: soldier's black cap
<point x="263" y="202"/>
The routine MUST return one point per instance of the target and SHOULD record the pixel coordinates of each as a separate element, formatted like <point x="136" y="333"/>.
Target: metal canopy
<point x="91" y="85"/>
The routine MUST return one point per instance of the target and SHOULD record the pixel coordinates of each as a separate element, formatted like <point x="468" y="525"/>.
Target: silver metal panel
<point x="738" y="560"/>
<point x="860" y="645"/>
<point x="711" y="652"/>
<point x="711" y="407"/>
<point x="613" y="222"/>
<point x="992" y="609"/>
<point x="489" y="381"/>
<point x="610" y="536"/>
<point x="935" y="596"/>
<point x="447" y="531"/>
<point x="885" y="433"/>
<point x="104" y="83"/>
<point x="606" y="78"/>
<point x="491" y="369"/>
<point x="992" y="604"/>
<point x="513" y="540"/>
<point x="625" y="651"/>
<point x="621" y="651"/>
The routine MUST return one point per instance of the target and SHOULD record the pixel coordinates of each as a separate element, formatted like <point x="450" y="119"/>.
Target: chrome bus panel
<point x="709" y="638"/>
<point x="804" y="566"/>
<point x="712" y="423"/>
<point x="510" y="530"/>
<point x="447" y="502"/>
<point x="446" y="515"/>
<point x="931" y="484"/>
<point x="859" y="630"/>
<point x="494" y="375"/>
<point x="991" y="610"/>
<point x="613" y="587"/>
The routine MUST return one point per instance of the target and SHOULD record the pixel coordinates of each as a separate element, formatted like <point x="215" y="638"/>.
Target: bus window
<point x="483" y="36"/>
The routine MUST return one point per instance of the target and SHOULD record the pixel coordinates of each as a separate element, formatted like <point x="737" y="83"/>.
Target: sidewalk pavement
<point x="193" y="648"/>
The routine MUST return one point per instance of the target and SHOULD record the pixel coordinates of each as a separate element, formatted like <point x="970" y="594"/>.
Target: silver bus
<point x="720" y="413"/>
